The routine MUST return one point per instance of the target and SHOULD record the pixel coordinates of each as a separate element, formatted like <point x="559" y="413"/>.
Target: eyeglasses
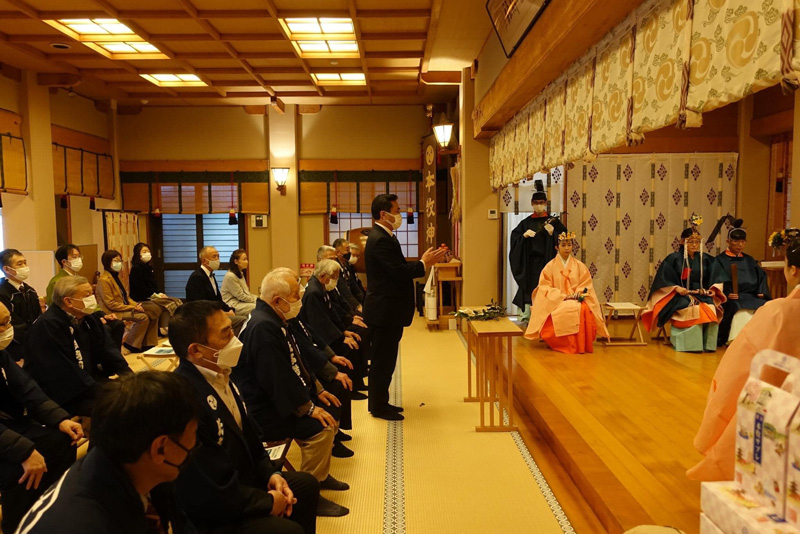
<point x="693" y="241"/>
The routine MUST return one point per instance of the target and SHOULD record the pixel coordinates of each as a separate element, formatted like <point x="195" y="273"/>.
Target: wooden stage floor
<point x="621" y="422"/>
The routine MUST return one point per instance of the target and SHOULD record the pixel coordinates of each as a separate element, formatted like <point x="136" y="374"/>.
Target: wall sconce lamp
<point x="280" y="174"/>
<point x="444" y="131"/>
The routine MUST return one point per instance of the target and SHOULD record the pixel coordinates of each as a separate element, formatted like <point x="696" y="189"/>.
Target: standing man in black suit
<point x="202" y="285"/>
<point x="389" y="303"/>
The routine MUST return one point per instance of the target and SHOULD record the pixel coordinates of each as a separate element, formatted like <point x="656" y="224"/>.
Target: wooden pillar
<point x="284" y="209"/>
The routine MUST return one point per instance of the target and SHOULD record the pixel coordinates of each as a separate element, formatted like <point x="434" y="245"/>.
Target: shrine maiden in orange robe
<point x="565" y="312"/>
<point x="774" y="326"/>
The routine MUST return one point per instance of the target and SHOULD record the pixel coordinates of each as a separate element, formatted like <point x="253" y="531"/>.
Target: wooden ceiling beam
<point x="405" y="54"/>
<point x="564" y="32"/>
<point x="351" y="6"/>
<point x="393" y="13"/>
<point x="216" y="36"/>
<point x="310" y="13"/>
<point x="25" y="8"/>
<point x="57" y="79"/>
<point x="393" y="36"/>
<point x="433" y="25"/>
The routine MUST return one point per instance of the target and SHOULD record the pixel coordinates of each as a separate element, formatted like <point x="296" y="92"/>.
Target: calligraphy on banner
<point x="429" y="189"/>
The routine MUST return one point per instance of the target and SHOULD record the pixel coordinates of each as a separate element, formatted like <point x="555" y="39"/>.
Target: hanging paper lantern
<point x="334" y="218"/>
<point x="410" y="217"/>
<point x="92" y="205"/>
<point x="232" y="220"/>
<point x="156" y="212"/>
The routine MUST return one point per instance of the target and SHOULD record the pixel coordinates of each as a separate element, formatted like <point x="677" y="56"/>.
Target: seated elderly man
<point x="356" y="287"/>
<point x="202" y="285"/>
<point x="20" y="299"/>
<point x="331" y="370"/>
<point x="321" y="312"/>
<point x="231" y="485"/>
<point x="343" y="298"/>
<point x="283" y="396"/>
<point x="143" y="434"/>
<point x="70" y="261"/>
<point x="35" y="435"/>
<point x="70" y="352"/>
<point x="345" y="284"/>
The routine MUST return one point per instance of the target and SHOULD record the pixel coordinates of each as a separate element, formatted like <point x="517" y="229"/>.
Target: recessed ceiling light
<point x="108" y="37"/>
<point x="60" y="46"/>
<point x="174" y="80"/>
<point x="334" y="78"/>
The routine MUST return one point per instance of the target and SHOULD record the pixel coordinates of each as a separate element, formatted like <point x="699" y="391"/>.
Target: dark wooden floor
<point x="621" y="423"/>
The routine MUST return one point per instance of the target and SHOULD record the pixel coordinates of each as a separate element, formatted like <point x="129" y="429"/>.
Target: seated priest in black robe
<point x="70" y="352"/>
<point x="327" y="314"/>
<point x="685" y="294"/>
<point x="533" y="245"/>
<point x="282" y="394"/>
<point x="744" y="283"/>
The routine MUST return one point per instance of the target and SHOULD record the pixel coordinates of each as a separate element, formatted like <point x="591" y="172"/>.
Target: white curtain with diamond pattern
<point x="633" y="208"/>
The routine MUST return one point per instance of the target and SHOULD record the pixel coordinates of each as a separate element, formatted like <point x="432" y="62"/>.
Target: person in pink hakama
<point x="774" y="326"/>
<point x="565" y="311"/>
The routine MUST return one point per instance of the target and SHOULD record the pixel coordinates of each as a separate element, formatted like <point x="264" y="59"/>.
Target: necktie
<point x="153" y="520"/>
<point x="213" y="278"/>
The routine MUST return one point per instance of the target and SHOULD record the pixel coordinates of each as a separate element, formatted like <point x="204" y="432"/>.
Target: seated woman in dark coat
<point x="142" y="282"/>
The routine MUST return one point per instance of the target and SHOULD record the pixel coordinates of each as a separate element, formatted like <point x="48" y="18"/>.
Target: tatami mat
<point x="455" y="480"/>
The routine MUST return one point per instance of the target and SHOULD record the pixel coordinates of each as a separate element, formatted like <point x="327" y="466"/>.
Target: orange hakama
<point x="566" y="326"/>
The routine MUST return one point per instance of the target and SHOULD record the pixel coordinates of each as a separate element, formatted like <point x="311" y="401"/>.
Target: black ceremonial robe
<point x="671" y="274"/>
<point x="752" y="282"/>
<point x="529" y="255"/>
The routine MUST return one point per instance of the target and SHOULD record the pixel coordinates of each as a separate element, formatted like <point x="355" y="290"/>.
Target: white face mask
<point x="117" y="266"/>
<point x="213" y="265"/>
<point x="294" y="308"/>
<point x="331" y="285"/>
<point x="6" y="338"/>
<point x="398" y="220"/>
<point x="76" y="264"/>
<point x="146" y="257"/>
<point x="89" y="304"/>
<point x="353" y="260"/>
<point x="228" y="356"/>
<point x="22" y="273"/>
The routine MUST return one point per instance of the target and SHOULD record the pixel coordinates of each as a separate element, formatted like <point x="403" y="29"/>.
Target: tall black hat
<point x="539" y="194"/>
<point x="735" y="233"/>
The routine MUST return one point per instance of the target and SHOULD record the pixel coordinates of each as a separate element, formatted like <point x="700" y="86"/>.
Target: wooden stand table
<point x="485" y="340"/>
<point x="637" y="327"/>
<point x="775" y="278"/>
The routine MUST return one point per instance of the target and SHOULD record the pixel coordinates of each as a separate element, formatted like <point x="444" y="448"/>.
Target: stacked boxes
<point x="757" y="499"/>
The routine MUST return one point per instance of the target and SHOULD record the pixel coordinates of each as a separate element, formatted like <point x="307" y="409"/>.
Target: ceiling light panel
<point x="174" y="80"/>
<point x="108" y="37"/>
<point x="339" y="79"/>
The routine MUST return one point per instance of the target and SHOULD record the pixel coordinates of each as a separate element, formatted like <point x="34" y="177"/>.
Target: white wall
<point x="77" y="113"/>
<point x="363" y="132"/>
<point x="9" y="94"/>
<point x="192" y="133"/>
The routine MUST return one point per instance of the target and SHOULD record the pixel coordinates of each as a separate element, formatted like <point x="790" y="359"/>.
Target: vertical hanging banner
<point x="429" y="147"/>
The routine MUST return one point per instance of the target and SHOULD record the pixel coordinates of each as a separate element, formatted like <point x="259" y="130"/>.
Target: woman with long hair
<point x="112" y="297"/>
<point x="774" y="326"/>
<point x="144" y="288"/>
<point x="235" y="291"/>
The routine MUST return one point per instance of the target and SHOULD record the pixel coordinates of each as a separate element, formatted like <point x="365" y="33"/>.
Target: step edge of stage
<point x="624" y="512"/>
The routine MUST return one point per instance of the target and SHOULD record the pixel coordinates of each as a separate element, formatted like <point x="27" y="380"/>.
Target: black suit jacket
<point x="390" y="281"/>
<point x="23" y="305"/>
<point x="97" y="497"/>
<point x="319" y="313"/>
<point x="22" y="401"/>
<point x="228" y="476"/>
<point x="51" y="355"/>
<point x="198" y="287"/>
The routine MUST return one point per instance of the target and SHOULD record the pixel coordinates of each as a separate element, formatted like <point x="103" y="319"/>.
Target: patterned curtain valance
<point x="666" y="63"/>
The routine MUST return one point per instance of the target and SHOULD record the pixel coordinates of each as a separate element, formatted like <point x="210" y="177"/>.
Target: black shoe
<point x="341" y="451"/>
<point x="389" y="415"/>
<point x="357" y="395"/>
<point x="134" y="350"/>
<point x="397" y="409"/>
<point x="327" y="508"/>
<point x="331" y="483"/>
<point x="341" y="436"/>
